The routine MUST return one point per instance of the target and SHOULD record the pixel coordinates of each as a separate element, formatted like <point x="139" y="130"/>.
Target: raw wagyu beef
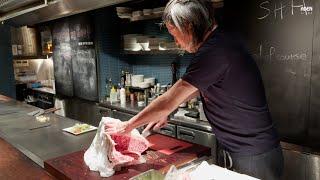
<point x="109" y="151"/>
<point x="131" y="146"/>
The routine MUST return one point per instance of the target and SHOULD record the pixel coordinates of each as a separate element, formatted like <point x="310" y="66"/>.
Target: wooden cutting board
<point x="164" y="152"/>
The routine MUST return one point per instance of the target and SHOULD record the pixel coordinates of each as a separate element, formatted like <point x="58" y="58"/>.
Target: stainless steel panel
<point x="169" y="130"/>
<point x="199" y="137"/>
<point x="60" y="8"/>
<point x="195" y="136"/>
<point x="313" y="167"/>
<point x="294" y="165"/>
<point x="9" y="5"/>
<point x="44" y="143"/>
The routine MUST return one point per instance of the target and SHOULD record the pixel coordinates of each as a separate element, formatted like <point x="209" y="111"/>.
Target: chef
<point x="229" y="83"/>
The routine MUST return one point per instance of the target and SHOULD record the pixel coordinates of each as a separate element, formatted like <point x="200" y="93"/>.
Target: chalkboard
<point x="62" y="58"/>
<point x="83" y="57"/>
<point x="279" y="34"/>
<point x="314" y="123"/>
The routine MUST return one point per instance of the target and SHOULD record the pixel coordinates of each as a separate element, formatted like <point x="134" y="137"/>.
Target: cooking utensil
<point x="40" y="126"/>
<point x="41" y="111"/>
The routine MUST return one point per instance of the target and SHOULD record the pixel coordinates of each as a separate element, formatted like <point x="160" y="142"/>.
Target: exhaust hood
<point x="30" y="12"/>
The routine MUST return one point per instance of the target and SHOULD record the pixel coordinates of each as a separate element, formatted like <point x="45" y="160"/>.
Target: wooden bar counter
<point x="15" y="165"/>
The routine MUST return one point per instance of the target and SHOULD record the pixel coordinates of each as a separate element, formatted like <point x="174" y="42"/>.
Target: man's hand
<point x="122" y="127"/>
<point x="157" y="125"/>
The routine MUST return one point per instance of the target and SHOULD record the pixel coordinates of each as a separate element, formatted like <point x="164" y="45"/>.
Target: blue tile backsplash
<point x="111" y="59"/>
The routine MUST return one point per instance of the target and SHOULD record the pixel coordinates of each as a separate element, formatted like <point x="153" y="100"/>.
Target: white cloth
<point x="96" y="157"/>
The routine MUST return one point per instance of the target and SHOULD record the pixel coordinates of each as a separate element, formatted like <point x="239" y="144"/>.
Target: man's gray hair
<point x="196" y="14"/>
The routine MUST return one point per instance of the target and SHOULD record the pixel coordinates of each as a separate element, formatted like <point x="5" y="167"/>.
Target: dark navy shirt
<point x="233" y="94"/>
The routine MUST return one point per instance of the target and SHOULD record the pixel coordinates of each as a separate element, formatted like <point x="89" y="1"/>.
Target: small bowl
<point x="144" y="85"/>
<point x="145" y="46"/>
<point x="151" y="80"/>
<point x="122" y="10"/>
<point x="147" y="11"/>
<point x="137" y="13"/>
<point x="140" y="104"/>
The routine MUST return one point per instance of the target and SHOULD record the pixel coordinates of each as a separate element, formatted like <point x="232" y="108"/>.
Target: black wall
<point x="7" y="82"/>
<point x="283" y="36"/>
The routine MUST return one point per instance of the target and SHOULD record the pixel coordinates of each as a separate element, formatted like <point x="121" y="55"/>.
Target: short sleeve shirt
<point x="233" y="94"/>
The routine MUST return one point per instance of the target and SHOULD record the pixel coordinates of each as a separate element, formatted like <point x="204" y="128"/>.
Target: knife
<point x="146" y="133"/>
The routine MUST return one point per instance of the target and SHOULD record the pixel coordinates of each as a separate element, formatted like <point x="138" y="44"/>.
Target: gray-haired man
<point x="226" y="77"/>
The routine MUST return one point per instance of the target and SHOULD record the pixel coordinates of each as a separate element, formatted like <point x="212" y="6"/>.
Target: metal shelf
<point x="146" y="17"/>
<point x="155" y="52"/>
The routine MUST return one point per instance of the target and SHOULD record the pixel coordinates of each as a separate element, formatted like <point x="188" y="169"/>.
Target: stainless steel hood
<point x="50" y="10"/>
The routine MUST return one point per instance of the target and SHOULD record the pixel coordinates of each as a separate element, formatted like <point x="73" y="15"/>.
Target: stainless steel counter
<point x="45" y="90"/>
<point x="132" y="108"/>
<point x="39" y="144"/>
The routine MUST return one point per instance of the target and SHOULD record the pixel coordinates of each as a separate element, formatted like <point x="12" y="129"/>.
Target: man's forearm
<point x="157" y="109"/>
<point x="165" y="104"/>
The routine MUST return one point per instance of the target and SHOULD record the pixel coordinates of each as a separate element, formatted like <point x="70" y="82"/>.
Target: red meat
<point x="126" y="148"/>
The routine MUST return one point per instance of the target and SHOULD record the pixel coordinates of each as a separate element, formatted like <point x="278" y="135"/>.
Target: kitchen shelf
<point x="155" y="52"/>
<point x="146" y="17"/>
<point x="30" y="57"/>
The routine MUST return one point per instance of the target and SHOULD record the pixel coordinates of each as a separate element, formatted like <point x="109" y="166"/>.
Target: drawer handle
<point x="168" y="128"/>
<point x="166" y="131"/>
<point x="187" y="134"/>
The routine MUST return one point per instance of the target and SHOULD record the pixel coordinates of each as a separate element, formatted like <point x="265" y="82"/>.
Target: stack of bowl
<point x="154" y="43"/>
<point x="136" y="80"/>
<point x="130" y="42"/>
<point x="158" y="10"/>
<point x="124" y="12"/>
<point x="143" y="41"/>
<point x="147" y="12"/>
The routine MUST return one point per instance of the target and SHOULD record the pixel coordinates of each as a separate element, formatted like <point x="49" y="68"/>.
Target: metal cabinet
<point x="199" y="137"/>
<point x="121" y="115"/>
<point x="300" y="166"/>
<point x="196" y="136"/>
<point x="169" y="130"/>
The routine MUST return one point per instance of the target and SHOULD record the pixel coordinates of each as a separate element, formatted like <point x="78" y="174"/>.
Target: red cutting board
<point x="164" y="152"/>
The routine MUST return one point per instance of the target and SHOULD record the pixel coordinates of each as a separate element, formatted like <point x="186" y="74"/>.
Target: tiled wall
<point x="159" y="66"/>
<point x="7" y="82"/>
<point x="108" y="40"/>
<point x="111" y="59"/>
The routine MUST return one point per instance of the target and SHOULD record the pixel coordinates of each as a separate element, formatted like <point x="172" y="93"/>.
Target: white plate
<point x="69" y="130"/>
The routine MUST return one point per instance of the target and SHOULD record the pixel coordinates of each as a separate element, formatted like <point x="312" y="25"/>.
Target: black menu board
<point x="62" y="58"/>
<point x="83" y="58"/>
<point x="279" y="34"/>
<point x="74" y="57"/>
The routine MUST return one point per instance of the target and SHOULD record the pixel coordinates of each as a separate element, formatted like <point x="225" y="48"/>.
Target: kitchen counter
<point x="38" y="143"/>
<point x="132" y="108"/>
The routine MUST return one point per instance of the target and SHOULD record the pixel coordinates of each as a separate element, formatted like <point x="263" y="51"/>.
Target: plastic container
<point x="122" y="96"/>
<point x="113" y="95"/>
